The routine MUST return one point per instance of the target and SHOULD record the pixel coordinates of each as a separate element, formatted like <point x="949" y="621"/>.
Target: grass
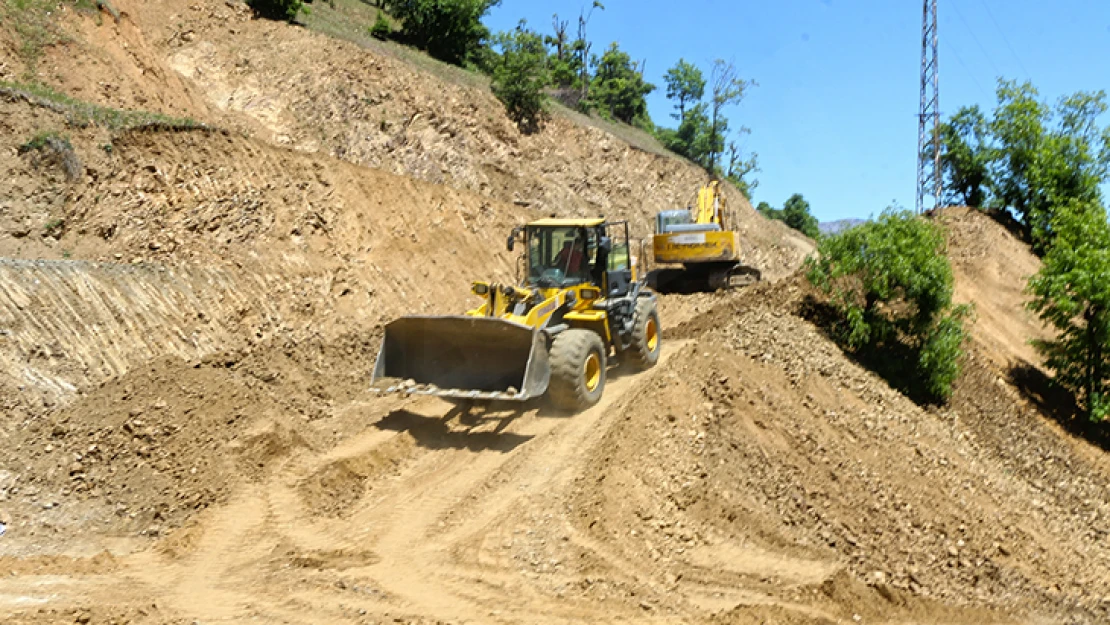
<point x="55" y="147"/>
<point x="43" y="140"/>
<point x="82" y="114"/>
<point x="54" y="227"/>
<point x="33" y="23"/>
<point x="637" y="138"/>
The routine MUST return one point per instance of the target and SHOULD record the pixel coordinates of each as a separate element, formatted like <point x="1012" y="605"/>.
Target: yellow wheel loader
<point x="703" y="242"/>
<point x="578" y="306"/>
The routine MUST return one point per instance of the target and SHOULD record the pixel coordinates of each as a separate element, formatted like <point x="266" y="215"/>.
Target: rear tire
<point x="577" y="369"/>
<point x="643" y="353"/>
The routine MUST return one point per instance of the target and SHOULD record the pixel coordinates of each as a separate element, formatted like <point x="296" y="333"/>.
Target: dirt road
<point x="429" y="514"/>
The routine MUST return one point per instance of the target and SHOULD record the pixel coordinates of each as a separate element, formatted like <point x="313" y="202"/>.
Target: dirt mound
<point x="143" y="453"/>
<point x="763" y="438"/>
<point x="992" y="267"/>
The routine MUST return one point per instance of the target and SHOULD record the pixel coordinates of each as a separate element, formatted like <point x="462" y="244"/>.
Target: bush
<point x="286" y="10"/>
<point x="519" y="76"/>
<point x="449" y="30"/>
<point x="890" y="286"/>
<point x="381" y="29"/>
<point x="55" y="149"/>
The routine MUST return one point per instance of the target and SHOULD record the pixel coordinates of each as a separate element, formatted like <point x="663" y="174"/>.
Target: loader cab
<point x="567" y="252"/>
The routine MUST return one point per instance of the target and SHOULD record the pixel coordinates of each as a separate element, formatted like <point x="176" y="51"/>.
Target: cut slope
<point x="211" y="61"/>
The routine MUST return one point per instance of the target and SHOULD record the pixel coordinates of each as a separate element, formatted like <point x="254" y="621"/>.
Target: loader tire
<point x="577" y="369"/>
<point x="643" y="353"/>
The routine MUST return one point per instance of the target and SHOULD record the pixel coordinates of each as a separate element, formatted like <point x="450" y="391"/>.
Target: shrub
<point x="56" y="149"/>
<point x="449" y="30"/>
<point x="381" y="29"/>
<point x="285" y="10"/>
<point x="890" y="286"/>
<point x="519" y="76"/>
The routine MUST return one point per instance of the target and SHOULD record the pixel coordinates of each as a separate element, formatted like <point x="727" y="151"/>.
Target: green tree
<point x="618" y="88"/>
<point x="449" y="30"/>
<point x="685" y="85"/>
<point x="768" y="211"/>
<point x="566" y="62"/>
<point x="890" y="284"/>
<point x="965" y="159"/>
<point x="795" y="213"/>
<point x="691" y="138"/>
<point x="285" y="10"/>
<point x="519" y="76"/>
<point x="1045" y="158"/>
<point x="1071" y="292"/>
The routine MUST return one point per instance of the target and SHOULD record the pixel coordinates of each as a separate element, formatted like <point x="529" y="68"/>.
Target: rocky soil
<point x="205" y="448"/>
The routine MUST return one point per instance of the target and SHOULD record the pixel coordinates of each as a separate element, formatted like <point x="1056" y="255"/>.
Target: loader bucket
<point x="462" y="357"/>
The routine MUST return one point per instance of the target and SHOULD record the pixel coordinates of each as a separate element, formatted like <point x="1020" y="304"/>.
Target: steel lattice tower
<point x="928" y="139"/>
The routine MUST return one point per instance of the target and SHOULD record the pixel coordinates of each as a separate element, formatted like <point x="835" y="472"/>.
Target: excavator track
<point x="703" y="278"/>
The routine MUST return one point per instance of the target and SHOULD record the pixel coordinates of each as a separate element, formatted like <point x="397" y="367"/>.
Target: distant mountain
<point x="833" y="227"/>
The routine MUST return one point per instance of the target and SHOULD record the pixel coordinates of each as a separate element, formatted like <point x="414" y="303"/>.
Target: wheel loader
<point x="703" y="242"/>
<point x="578" y="307"/>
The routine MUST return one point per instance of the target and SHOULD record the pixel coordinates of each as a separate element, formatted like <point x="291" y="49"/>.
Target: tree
<point x="691" y="139"/>
<point x="966" y="158"/>
<point x="769" y="211"/>
<point x="1071" y="292"/>
<point x="1029" y="157"/>
<point x="727" y="89"/>
<point x="795" y="213"/>
<point x="618" y="88"/>
<point x="739" y="168"/>
<point x="890" y="285"/>
<point x="519" y="76"/>
<point x="1043" y="159"/>
<point x="685" y="85"/>
<point x="449" y="30"/>
<point x="286" y="10"/>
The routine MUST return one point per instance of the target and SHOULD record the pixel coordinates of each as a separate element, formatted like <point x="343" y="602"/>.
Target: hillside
<point x="191" y="301"/>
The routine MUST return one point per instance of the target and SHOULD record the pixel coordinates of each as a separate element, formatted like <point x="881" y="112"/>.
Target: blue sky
<point x="834" y="115"/>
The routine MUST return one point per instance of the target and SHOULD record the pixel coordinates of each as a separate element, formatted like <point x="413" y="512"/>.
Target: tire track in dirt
<point x="408" y="535"/>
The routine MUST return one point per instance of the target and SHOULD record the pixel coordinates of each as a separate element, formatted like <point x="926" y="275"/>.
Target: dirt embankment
<point x="294" y="87"/>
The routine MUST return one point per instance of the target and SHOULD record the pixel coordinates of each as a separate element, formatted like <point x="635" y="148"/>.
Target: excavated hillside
<point x="190" y="310"/>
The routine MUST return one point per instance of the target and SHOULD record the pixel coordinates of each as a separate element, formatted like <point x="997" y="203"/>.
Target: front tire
<point x="643" y="353"/>
<point x="577" y="369"/>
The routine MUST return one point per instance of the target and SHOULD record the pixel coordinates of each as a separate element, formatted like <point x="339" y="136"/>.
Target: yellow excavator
<point x="578" y="306"/>
<point x="703" y="241"/>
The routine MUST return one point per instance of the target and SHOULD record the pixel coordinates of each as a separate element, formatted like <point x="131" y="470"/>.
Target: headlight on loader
<point x="480" y="288"/>
<point x="590" y="294"/>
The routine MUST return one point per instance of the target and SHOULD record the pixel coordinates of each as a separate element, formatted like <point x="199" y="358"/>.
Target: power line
<point x="955" y="7"/>
<point x="970" y="73"/>
<point x="1005" y="40"/>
